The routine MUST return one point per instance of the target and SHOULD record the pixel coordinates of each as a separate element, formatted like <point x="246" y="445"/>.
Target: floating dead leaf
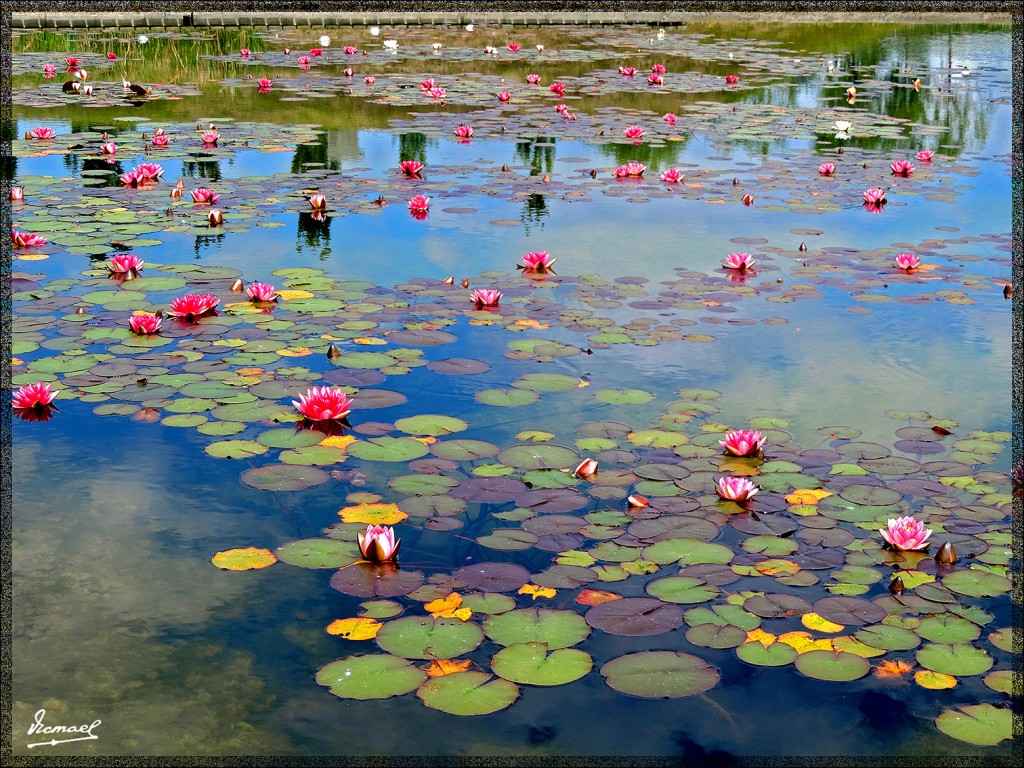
<point x="148" y="415"/>
<point x="287" y="294"/>
<point x="245" y="559"/>
<point x="337" y="441"/>
<point x="802" y="642"/>
<point x="369" y="340"/>
<point x="535" y="591"/>
<point x="294" y="352"/>
<point x="815" y="622"/>
<point x="898" y="668"/>
<point x="355" y="629"/>
<point x="373" y="514"/>
<point x="448" y="608"/>
<point x="760" y="636"/>
<point x="595" y="597"/>
<point x="442" y="667"/>
<point x="807" y="496"/>
<point x="934" y="681"/>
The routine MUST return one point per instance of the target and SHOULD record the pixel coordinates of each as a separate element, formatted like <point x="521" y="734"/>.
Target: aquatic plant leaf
<point x="554" y="628"/>
<point x="934" y="681"/>
<point x="372" y="514"/>
<point x="660" y="674"/>
<point x="354" y="628"/>
<point x="426" y="637"/>
<point x="976" y="583"/>
<point x="945" y="628"/>
<point x="284" y="477"/>
<point x="981" y="724"/>
<point x="468" y="693"/>
<point x="493" y="577"/>
<point x="681" y="589"/>
<point x="370" y="676"/>
<point x="387" y="449"/>
<point x="835" y="666"/>
<point x="635" y="616"/>
<point x="431" y="424"/>
<point x="376" y="580"/>
<point x="245" y="559"/>
<point x="954" y="659"/>
<point x="531" y="664"/>
<point x="319" y="553"/>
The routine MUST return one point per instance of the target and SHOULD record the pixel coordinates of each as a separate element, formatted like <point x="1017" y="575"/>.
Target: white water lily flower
<point x="325" y="40"/>
<point x="490" y="49"/>
<point x="843" y="126"/>
<point x="436" y="46"/>
<point x="391" y="45"/>
<point x="661" y="34"/>
<point x="142" y="39"/>
<point x="540" y="49"/>
<point x="374" y="31"/>
<point x="470" y="27"/>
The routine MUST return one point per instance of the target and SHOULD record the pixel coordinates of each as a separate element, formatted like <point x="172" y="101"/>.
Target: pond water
<point x="885" y="390"/>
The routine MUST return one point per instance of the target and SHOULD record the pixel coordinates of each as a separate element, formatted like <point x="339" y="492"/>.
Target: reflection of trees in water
<point x="314" y="233"/>
<point x="201" y="169"/>
<point x="413" y="146"/>
<point x="538" y="153"/>
<point x="315" y="153"/>
<point x="535" y="210"/>
<point x="655" y="158"/>
<point x="207" y="243"/>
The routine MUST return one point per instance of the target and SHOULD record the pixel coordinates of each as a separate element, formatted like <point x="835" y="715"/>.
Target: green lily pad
<point x="506" y="398"/>
<point x="687" y="552"/>
<point x="775" y="655"/>
<point x="370" y="676"/>
<point x="422" y="485"/>
<point x="535" y="456"/>
<point x="387" y="449"/>
<point x="1002" y="639"/>
<point x="289" y="438"/>
<point x="888" y="638"/>
<point x="660" y="674"/>
<point x="468" y="693"/>
<point x="835" y="666"/>
<point x="423" y="637"/>
<point x="431" y="425"/>
<point x="682" y="589"/>
<point x="1000" y="681"/>
<point x="945" y="628"/>
<point x="981" y="724"/>
<point x="462" y="449"/>
<point x="547" y="382"/>
<point x="954" y="659"/>
<point x="716" y="636"/>
<point x="531" y="664"/>
<point x="488" y="602"/>
<point x="284" y="477"/>
<point x="318" y="553"/>
<point x="656" y="438"/>
<point x="624" y="396"/>
<point x="380" y="609"/>
<point x="976" y="583"/>
<point x="235" y="449"/>
<point x="556" y="629"/>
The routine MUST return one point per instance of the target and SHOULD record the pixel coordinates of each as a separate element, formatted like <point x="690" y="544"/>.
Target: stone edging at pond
<point x="84" y="20"/>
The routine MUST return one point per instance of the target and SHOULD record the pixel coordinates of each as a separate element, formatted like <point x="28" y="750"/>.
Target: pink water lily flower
<point x="670" y="118"/>
<point x="215" y="217"/>
<point x="316" y="51"/>
<point x="740" y="261"/>
<point x="539" y="261"/>
<point x="634" y="132"/>
<point x="672" y="176"/>
<point x="348" y="72"/>
<point x="827" y="169"/>
<point x="49" y="70"/>
<point x="742" y="442"/>
<point x="627" y="71"/>
<point x="210" y="137"/>
<point x="323" y="404"/>
<point x="145" y="323"/>
<point x="378" y="544"/>
<point x="33" y="396"/>
<point x="655" y="80"/>
<point x="658" y="69"/>
<point x="485" y="297"/>
<point x="318" y="202"/>
<point x="26" y="239"/>
<point x="419" y="203"/>
<point x="411" y="167"/>
<point x="427" y="84"/>
<point x="437" y="93"/>
<point x="464" y="132"/>
<point x="902" y="168"/>
<point x="906" y="533"/>
<point x="125" y="263"/>
<point x="631" y="169"/>
<point x="303" y="61"/>
<point x="161" y="140"/>
<point x="109" y="148"/>
<point x="132" y="178"/>
<point x="925" y="155"/>
<point x="111" y="56"/>
<point x="504" y="96"/>
<point x="264" y="84"/>
<point x="350" y="49"/>
<point x="586" y="468"/>
<point x="557" y="88"/>
<point x="260" y="292"/>
<point x="17" y="193"/>
<point x="513" y="47"/>
<point x="732" y="79"/>
<point x="43" y="133"/>
<point x="533" y="79"/>
<point x="561" y="109"/>
<point x="204" y="195"/>
<point x="735" y="488"/>
<point x="149" y="171"/>
<point x="875" y="196"/>
<point x="907" y="262"/>
<point x="369" y="79"/>
<point x="245" y="52"/>
<point x="72" y="62"/>
<point x="192" y="306"/>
